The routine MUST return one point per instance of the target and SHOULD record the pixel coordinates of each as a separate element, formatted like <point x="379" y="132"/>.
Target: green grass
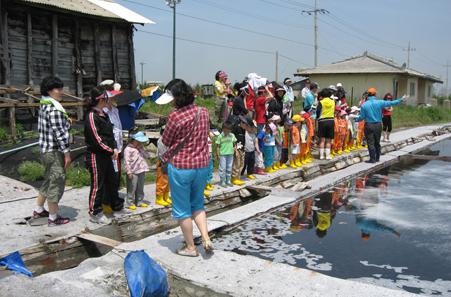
<point x="35" y="150"/>
<point x="32" y="171"/>
<point x="410" y="116"/>
<point x="78" y="177"/>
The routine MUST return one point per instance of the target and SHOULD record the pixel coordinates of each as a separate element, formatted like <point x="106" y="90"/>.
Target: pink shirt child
<point x="135" y="160"/>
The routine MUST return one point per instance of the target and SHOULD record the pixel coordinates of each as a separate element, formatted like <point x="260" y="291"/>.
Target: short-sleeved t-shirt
<point x="260" y="110"/>
<point x="295" y="138"/>
<point x="226" y="144"/>
<point x="270" y="140"/>
<point x="219" y="86"/>
<point x="249" y="146"/>
<point x="260" y="137"/>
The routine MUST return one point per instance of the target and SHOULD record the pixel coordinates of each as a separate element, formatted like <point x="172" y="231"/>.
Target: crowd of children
<point x="259" y="146"/>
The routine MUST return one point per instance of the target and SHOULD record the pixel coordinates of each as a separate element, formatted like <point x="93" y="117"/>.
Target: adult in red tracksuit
<point x="100" y="156"/>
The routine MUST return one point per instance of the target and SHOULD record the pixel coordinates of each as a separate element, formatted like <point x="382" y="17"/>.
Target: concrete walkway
<point x="223" y="272"/>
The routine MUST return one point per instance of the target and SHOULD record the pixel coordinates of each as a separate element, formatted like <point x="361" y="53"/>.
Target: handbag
<point x="164" y="164"/>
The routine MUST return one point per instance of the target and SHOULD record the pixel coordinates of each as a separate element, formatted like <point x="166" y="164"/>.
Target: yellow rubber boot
<point x="269" y="170"/>
<point x="208" y="188"/>
<point x="274" y="167"/>
<point x="292" y="165"/>
<point x="282" y="165"/>
<point x="346" y="150"/>
<point x="107" y="208"/>
<point x="166" y="198"/>
<point x="297" y="162"/>
<point x="211" y="185"/>
<point x="250" y="176"/>
<point x="237" y="182"/>
<point x="304" y="160"/>
<point x="160" y="201"/>
<point x="206" y="193"/>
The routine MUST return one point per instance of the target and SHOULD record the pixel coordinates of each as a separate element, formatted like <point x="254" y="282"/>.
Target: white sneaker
<point x="388" y="140"/>
<point x="100" y="219"/>
<point x="328" y="158"/>
<point x="383" y="140"/>
<point x="121" y="213"/>
<point x="321" y="157"/>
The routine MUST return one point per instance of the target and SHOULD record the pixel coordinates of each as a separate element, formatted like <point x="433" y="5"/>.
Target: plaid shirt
<point x="53" y="128"/>
<point x="194" y="153"/>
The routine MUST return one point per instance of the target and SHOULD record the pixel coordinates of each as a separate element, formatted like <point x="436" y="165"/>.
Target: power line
<point x="230" y="26"/>
<point x="298" y="4"/>
<point x="257" y="16"/>
<point x="220" y="45"/>
<point x="366" y="23"/>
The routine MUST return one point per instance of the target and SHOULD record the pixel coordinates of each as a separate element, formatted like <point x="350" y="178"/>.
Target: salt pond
<point x="404" y="208"/>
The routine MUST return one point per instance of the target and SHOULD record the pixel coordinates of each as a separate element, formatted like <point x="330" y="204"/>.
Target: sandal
<point x="208" y="245"/>
<point x="184" y="251"/>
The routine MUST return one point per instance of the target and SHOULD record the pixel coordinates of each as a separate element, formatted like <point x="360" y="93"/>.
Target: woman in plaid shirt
<point x="188" y="169"/>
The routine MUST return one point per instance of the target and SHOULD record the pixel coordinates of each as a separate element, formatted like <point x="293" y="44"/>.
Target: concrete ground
<point x="221" y="271"/>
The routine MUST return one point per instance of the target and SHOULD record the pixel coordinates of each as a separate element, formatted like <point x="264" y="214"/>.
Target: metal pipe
<point x="19" y="148"/>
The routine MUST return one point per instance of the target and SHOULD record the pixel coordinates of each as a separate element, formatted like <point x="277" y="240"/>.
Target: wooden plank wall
<point x="82" y="51"/>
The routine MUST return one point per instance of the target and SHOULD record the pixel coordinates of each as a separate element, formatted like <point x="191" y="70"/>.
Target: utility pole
<point x="142" y="71"/>
<point x="309" y="12"/>
<point x="447" y="68"/>
<point x="277" y="66"/>
<point x="408" y="56"/>
<point x="171" y="4"/>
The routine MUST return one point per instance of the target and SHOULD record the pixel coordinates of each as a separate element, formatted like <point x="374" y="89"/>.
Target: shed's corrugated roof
<point x="365" y="63"/>
<point x="102" y="8"/>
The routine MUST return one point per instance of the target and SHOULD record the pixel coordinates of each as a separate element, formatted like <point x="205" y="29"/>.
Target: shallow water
<point x="410" y="200"/>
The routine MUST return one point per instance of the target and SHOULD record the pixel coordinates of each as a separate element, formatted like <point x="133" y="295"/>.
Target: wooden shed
<point x="81" y="41"/>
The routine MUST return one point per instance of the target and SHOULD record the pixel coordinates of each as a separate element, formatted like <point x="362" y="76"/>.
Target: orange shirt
<point x="286" y="135"/>
<point x="310" y="126"/>
<point x="344" y="130"/>
<point x="295" y="138"/>
<point x="336" y="128"/>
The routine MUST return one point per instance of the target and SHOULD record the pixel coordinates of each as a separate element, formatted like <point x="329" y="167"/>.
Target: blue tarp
<point x="14" y="262"/>
<point x="144" y="276"/>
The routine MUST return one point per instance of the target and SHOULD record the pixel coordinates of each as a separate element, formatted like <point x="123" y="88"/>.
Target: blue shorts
<point x="187" y="190"/>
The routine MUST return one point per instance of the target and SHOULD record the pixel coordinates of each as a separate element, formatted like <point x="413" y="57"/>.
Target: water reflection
<point x="410" y="198"/>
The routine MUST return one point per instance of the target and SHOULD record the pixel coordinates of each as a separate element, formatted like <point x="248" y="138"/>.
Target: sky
<point x="243" y="36"/>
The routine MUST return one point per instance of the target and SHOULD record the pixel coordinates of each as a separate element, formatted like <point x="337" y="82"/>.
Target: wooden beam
<point x="55" y="45"/>
<point x="97" y="53"/>
<point x="131" y="54"/>
<point x="29" y="49"/>
<point x="99" y="239"/>
<point x="117" y="77"/>
<point x="79" y="70"/>
<point x="5" y="45"/>
<point x="12" y="123"/>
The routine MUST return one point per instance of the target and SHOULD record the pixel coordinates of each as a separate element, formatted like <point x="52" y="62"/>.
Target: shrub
<point x="78" y="177"/>
<point x="31" y="171"/>
<point x="4" y="134"/>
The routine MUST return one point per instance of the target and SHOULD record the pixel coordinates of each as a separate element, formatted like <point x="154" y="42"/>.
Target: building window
<point x="412" y="89"/>
<point x="429" y="92"/>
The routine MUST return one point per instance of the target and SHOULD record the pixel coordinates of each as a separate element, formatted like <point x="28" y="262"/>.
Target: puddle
<point x="389" y="228"/>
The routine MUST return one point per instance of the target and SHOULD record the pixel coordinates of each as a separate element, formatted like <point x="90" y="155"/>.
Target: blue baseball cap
<point x="139" y="137"/>
<point x="289" y="122"/>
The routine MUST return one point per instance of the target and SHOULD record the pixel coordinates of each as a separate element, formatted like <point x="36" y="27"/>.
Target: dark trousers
<point x="284" y="158"/>
<point x="249" y="162"/>
<point x="103" y="182"/>
<point x="386" y="122"/>
<point x="373" y="135"/>
<point x="106" y="199"/>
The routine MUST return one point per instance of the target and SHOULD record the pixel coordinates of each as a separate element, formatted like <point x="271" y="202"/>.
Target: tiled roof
<point x="365" y="63"/>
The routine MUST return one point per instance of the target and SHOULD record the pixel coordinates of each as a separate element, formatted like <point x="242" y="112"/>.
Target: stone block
<point x="447" y="104"/>
<point x="433" y="102"/>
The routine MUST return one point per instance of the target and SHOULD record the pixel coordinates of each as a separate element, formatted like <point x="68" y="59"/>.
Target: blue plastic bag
<point x="15" y="263"/>
<point x="144" y="276"/>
